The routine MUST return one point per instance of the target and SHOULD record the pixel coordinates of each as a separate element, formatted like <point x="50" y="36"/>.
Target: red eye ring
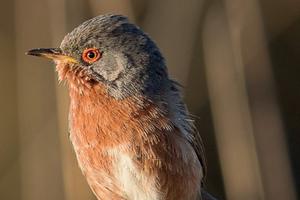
<point x="91" y="55"/>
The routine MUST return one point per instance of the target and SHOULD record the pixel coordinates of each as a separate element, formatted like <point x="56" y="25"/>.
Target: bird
<point x="132" y="134"/>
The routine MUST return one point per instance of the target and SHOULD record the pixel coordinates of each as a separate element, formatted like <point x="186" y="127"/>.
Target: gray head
<point x="114" y="52"/>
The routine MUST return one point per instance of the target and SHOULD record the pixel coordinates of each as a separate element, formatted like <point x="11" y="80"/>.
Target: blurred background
<point x="239" y="63"/>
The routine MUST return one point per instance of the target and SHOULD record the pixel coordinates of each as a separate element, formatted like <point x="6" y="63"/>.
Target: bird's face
<point x="109" y="50"/>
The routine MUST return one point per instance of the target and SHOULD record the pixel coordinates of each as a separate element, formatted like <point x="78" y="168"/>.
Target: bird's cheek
<point x="109" y="70"/>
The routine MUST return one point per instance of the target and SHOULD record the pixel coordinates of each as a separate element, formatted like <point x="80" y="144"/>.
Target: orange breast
<point x="133" y="132"/>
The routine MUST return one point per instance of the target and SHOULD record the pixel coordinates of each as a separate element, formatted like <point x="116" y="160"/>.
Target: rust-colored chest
<point x="110" y="136"/>
<point x="128" y="149"/>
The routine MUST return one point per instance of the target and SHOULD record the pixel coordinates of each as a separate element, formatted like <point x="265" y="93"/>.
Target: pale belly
<point x="114" y="172"/>
<point x="122" y="179"/>
<point x="135" y="183"/>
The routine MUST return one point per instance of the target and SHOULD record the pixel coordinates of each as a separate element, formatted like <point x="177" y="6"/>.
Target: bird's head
<point x="111" y="51"/>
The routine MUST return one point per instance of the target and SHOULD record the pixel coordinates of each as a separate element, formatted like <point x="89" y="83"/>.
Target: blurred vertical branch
<point x="9" y="138"/>
<point x="249" y="45"/>
<point x="234" y="132"/>
<point x="41" y="174"/>
<point x="249" y="130"/>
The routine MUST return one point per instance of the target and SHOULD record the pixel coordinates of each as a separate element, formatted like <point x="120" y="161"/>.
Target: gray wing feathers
<point x="184" y="121"/>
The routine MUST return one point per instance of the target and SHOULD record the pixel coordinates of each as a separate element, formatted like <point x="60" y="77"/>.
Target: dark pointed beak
<point x="51" y="53"/>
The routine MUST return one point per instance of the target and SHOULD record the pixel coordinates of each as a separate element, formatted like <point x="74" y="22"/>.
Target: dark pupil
<point x="91" y="55"/>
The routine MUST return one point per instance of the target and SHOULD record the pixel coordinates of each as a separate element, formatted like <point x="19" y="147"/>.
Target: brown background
<point x="239" y="62"/>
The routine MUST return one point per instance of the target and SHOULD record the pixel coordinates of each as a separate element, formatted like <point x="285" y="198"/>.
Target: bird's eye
<point x="91" y="55"/>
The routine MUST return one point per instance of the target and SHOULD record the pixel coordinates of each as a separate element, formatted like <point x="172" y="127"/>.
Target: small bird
<point x="131" y="132"/>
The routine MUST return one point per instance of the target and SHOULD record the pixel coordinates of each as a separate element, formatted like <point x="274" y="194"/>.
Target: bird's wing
<point x="185" y="123"/>
<point x="198" y="146"/>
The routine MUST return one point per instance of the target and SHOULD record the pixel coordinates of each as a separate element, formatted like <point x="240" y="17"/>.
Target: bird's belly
<point x="116" y="176"/>
<point x="135" y="183"/>
<point x="120" y="165"/>
<point x="113" y="175"/>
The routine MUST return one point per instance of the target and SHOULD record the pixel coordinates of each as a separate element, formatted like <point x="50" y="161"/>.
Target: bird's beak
<point x="51" y="53"/>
